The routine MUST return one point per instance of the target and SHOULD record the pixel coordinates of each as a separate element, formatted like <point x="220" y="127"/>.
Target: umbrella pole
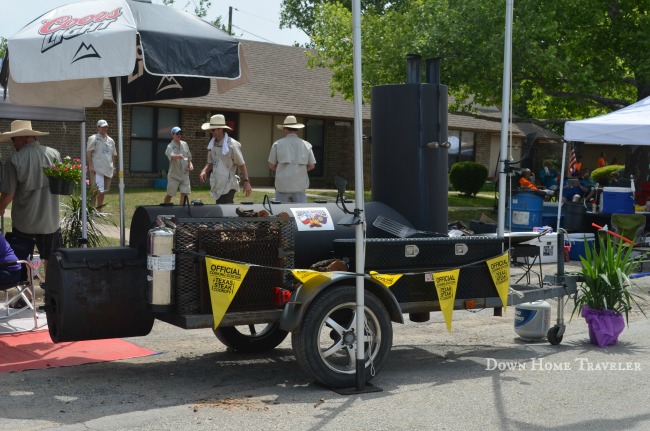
<point x="121" y="156"/>
<point x="84" y="206"/>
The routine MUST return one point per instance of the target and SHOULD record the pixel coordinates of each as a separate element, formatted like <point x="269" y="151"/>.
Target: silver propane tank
<point x="161" y="263"/>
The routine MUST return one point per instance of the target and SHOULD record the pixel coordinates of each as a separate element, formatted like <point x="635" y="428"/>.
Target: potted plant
<point x="63" y="175"/>
<point x="71" y="222"/>
<point x="604" y="296"/>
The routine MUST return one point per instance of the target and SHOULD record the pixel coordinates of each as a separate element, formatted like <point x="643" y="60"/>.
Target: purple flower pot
<point x="604" y="326"/>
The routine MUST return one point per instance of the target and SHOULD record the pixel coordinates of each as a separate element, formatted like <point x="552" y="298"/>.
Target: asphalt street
<point x="479" y="376"/>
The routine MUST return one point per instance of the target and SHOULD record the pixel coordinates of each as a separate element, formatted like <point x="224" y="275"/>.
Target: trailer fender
<point x="302" y="297"/>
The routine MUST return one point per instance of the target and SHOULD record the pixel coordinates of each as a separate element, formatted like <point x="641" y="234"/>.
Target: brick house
<point x="280" y="84"/>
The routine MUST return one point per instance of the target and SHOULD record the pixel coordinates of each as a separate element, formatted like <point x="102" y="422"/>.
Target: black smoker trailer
<point x="95" y="293"/>
<point x="118" y="292"/>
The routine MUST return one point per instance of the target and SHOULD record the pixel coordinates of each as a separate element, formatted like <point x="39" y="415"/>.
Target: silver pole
<point x="358" y="195"/>
<point x="84" y="206"/>
<point x="561" y="187"/>
<point x="120" y="140"/>
<point x="505" y="118"/>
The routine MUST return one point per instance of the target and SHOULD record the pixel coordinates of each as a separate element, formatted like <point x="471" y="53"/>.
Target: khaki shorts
<point x="175" y="185"/>
<point x="102" y="182"/>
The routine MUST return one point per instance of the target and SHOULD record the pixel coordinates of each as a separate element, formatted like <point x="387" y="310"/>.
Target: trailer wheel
<point x="553" y="337"/>
<point x="325" y="343"/>
<point x="252" y="338"/>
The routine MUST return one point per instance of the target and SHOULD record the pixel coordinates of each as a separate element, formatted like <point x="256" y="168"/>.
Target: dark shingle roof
<point x="280" y="83"/>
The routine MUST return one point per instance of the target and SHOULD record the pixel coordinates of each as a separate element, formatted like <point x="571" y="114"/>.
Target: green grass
<point x="461" y="208"/>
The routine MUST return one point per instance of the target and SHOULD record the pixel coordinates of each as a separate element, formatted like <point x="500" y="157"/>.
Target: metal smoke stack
<point x="409" y="158"/>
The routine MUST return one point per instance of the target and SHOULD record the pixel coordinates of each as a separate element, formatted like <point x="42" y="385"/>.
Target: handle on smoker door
<point x="266" y="203"/>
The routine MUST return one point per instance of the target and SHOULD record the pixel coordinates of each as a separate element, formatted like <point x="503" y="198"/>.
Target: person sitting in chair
<point x="574" y="188"/>
<point x="526" y="183"/>
<point x="549" y="175"/>
<point x="9" y="274"/>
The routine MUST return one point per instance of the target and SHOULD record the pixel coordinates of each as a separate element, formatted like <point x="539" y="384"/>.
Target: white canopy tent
<point x="10" y="111"/>
<point x="627" y="126"/>
<point x="50" y="113"/>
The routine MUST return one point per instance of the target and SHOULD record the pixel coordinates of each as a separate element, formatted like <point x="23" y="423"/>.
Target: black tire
<point x="252" y="338"/>
<point x="553" y="337"/>
<point x="330" y="316"/>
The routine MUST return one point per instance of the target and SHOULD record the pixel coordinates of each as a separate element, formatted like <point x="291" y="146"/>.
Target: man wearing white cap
<point x="291" y="158"/>
<point x="180" y="166"/>
<point x="224" y="158"/>
<point x="100" y="155"/>
<point x="35" y="211"/>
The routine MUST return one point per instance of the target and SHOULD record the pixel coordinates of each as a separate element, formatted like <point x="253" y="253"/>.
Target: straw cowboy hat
<point x="216" y="122"/>
<point x="291" y="123"/>
<point x="21" y="128"/>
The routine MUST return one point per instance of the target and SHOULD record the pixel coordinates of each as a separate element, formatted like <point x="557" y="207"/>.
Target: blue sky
<point x="252" y="19"/>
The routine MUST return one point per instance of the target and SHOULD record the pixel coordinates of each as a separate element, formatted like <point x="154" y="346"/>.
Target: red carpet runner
<point x="35" y="350"/>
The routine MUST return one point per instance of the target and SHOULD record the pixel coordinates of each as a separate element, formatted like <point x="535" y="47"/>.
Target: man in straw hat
<point x="224" y="157"/>
<point x="35" y="211"/>
<point x="291" y="158"/>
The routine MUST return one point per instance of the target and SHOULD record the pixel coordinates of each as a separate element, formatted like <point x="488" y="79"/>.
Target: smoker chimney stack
<point x="409" y="158"/>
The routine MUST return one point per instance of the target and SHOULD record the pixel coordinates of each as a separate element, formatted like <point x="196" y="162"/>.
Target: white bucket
<point x="532" y="320"/>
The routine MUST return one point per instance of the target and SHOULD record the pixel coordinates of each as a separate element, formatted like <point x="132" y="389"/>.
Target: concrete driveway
<point x="480" y="376"/>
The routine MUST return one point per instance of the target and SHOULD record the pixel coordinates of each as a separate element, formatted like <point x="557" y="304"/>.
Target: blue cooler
<point x="577" y="242"/>
<point x="618" y="200"/>
<point x="525" y="210"/>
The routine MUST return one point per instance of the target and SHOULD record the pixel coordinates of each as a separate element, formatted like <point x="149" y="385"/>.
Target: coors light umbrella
<point x="151" y="52"/>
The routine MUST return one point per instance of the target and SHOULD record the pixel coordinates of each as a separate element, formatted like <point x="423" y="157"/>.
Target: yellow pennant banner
<point x="224" y="279"/>
<point x="386" y="279"/>
<point x="306" y="275"/>
<point x="446" y="284"/>
<point x="500" y="271"/>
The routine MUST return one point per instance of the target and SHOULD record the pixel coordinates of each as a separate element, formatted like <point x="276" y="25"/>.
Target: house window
<point x="315" y="135"/>
<point x="462" y="146"/>
<point x="150" y="134"/>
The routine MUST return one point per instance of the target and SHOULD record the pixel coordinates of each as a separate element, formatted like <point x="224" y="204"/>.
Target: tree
<point x="3" y="46"/>
<point x="571" y="59"/>
<point x="201" y="10"/>
<point x="301" y="13"/>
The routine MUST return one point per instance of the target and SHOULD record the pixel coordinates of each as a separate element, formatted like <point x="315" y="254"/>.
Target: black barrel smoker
<point x="107" y="292"/>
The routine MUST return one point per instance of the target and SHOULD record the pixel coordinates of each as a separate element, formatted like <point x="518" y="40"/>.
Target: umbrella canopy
<point x="62" y="57"/>
<point x="152" y="52"/>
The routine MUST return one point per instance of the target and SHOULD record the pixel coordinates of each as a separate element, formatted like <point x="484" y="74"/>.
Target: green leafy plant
<point x="606" y="273"/>
<point x="71" y="223"/>
<point x="69" y="169"/>
<point x="605" y="172"/>
<point x="468" y="177"/>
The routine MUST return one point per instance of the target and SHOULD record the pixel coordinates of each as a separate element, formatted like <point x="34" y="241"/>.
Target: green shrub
<point x="605" y="172"/>
<point x="468" y="177"/>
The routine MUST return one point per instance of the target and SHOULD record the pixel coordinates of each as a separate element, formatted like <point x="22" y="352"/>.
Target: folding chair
<point x="23" y="288"/>
<point x="526" y="256"/>
<point x="630" y="226"/>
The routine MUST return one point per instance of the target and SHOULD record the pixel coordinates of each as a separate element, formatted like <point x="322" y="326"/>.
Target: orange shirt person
<point x="526" y="183"/>
<point x="601" y="160"/>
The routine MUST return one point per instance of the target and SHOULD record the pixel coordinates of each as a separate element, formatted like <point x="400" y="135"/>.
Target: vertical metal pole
<point x="561" y="187"/>
<point x="358" y="194"/>
<point x="120" y="134"/>
<point x="230" y="20"/>
<point x="505" y="118"/>
<point x="84" y="191"/>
